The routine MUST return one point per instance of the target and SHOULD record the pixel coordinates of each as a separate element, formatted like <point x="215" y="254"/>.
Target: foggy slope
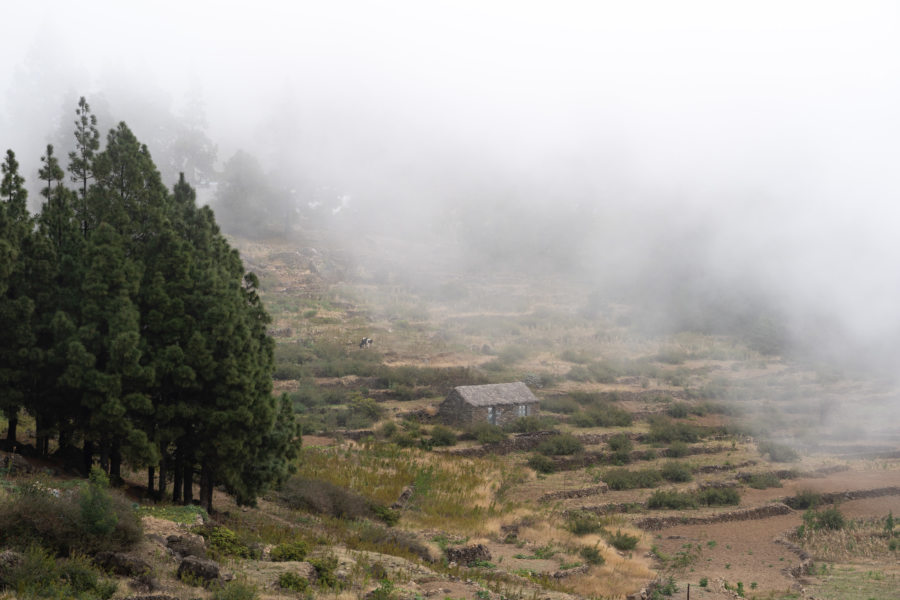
<point x="727" y="168"/>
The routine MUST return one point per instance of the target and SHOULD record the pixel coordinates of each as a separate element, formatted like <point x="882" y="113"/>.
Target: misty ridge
<point x="723" y="173"/>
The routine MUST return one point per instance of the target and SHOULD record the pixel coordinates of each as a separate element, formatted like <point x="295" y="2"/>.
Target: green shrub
<point x="386" y="515"/>
<point x="442" y="435"/>
<point x="324" y="497"/>
<point x="804" y="499"/>
<point x="678" y="449"/>
<point x="224" y="542"/>
<point x="778" y="452"/>
<point x="293" y="582"/>
<point x="623" y="541"/>
<point x="620" y="443"/>
<point x="582" y="522"/>
<point x="528" y="424"/>
<point x="325" y="567"/>
<point x="39" y="575"/>
<point x="663" y="429"/>
<point x="559" y="404"/>
<point x="675" y="472"/>
<point x="678" y="410"/>
<point x="289" y="551"/>
<point x="96" y="505"/>
<point x="762" y="481"/>
<point x="625" y="479"/>
<point x="560" y="445"/>
<point x="604" y="415"/>
<point x="236" y="590"/>
<point x="541" y="463"/>
<point x="65" y="521"/>
<point x="591" y="555"/>
<point x="486" y="433"/>
<point x="719" y="496"/>
<point x="671" y="499"/>
<point x="830" y="518"/>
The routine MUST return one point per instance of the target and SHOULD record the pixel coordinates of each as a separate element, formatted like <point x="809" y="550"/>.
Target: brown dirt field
<point x="743" y="551"/>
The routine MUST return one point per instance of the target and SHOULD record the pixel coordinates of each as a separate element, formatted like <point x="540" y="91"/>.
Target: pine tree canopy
<point x="129" y="328"/>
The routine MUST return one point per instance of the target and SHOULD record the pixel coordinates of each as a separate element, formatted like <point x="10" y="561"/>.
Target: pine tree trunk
<point x="11" y="431"/>
<point x="65" y="438"/>
<point x="206" y="488"/>
<point x="177" y="473"/>
<point x="151" y="480"/>
<point x="87" y="453"/>
<point x="163" y="476"/>
<point x="115" y="466"/>
<point x="104" y="458"/>
<point x="188" y="483"/>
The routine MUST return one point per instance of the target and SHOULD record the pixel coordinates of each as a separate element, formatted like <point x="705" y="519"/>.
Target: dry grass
<point x="863" y="539"/>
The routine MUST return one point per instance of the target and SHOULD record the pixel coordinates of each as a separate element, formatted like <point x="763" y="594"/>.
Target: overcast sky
<point x="774" y="125"/>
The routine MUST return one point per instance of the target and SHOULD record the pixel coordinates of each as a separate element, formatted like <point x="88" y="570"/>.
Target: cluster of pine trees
<point x="129" y="329"/>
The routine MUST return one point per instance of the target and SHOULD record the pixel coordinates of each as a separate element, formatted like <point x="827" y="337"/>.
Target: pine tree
<point x="16" y="308"/>
<point x="105" y="362"/>
<point x="81" y="160"/>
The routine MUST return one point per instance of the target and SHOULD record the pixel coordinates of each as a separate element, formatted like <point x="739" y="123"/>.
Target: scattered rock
<point x="199" y="569"/>
<point x="468" y="555"/>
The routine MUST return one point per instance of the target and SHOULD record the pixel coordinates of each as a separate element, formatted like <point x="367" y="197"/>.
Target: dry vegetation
<point x="682" y="424"/>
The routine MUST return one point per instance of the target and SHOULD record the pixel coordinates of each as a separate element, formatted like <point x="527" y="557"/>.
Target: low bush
<point x="620" y="443"/>
<point x="367" y="535"/>
<point x="676" y="472"/>
<point x="541" y="463"/>
<point x="87" y="519"/>
<point x="485" y="433"/>
<point x="663" y="429"/>
<point x="560" y="445"/>
<point x="728" y="496"/>
<point x="582" y="523"/>
<point x="678" y="410"/>
<point x="671" y="499"/>
<point x="223" y="542"/>
<point x="591" y="555"/>
<point x="762" y="481"/>
<point x="604" y="415"/>
<point x="678" y="449"/>
<point x="289" y="551"/>
<point x="324" y="497"/>
<point x="325" y="567"/>
<point x="830" y="518"/>
<point x="778" y="452"/>
<point x="559" y="404"/>
<point x="293" y="582"/>
<point x="623" y="541"/>
<point x="804" y="499"/>
<point x="442" y="435"/>
<point x="626" y="479"/>
<point x="528" y="425"/>
<point x="236" y="590"/>
<point x="40" y="575"/>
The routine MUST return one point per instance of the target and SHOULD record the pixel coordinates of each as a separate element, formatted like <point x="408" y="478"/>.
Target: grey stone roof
<point x="496" y="394"/>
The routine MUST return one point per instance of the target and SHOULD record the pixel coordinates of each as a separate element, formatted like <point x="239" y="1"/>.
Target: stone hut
<point x="498" y="404"/>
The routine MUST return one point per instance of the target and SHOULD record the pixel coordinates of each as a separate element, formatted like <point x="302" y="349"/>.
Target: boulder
<point x="122" y="564"/>
<point x="202" y="570"/>
<point x="9" y="560"/>
<point x="14" y="464"/>
<point x="186" y="545"/>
